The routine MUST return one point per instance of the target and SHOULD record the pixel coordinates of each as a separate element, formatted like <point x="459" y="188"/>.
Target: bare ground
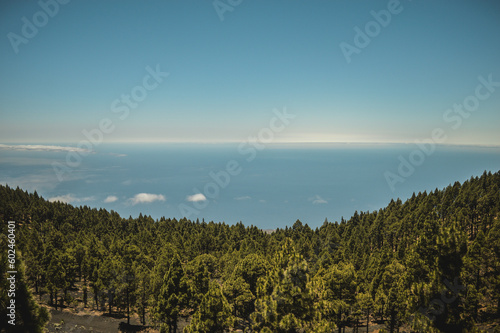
<point x="92" y="321"/>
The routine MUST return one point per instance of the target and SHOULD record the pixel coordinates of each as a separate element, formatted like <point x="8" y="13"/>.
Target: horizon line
<point x="324" y="143"/>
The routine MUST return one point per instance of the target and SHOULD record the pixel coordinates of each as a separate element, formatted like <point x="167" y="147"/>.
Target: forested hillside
<point x="430" y="264"/>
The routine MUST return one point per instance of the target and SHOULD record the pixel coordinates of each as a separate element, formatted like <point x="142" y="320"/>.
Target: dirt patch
<point x="92" y="321"/>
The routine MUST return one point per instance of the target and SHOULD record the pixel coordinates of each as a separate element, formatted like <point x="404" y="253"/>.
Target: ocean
<point x="270" y="187"/>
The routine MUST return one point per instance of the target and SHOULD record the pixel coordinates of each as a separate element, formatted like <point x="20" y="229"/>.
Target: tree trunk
<point x="85" y="295"/>
<point x="367" y="319"/>
<point x="128" y="308"/>
<point x="476" y="307"/>
<point x="96" y="300"/>
<point x="393" y="321"/>
<point x="143" y="313"/>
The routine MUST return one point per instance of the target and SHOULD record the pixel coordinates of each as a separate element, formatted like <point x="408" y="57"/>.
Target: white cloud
<point x="68" y="198"/>
<point x="110" y="198"/>
<point x="146" y="198"/>
<point x="196" y="197"/>
<point x="246" y="197"/>
<point x="45" y="148"/>
<point x="55" y="148"/>
<point x="316" y="200"/>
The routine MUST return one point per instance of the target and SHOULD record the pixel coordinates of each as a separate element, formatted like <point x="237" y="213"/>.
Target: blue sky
<point x="225" y="77"/>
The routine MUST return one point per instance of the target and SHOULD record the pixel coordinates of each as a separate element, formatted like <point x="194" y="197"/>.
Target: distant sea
<point x="268" y="188"/>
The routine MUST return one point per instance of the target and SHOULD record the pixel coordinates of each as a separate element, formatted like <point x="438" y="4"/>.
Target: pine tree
<point x="338" y="292"/>
<point x="214" y="314"/>
<point x="364" y="303"/>
<point x="56" y="276"/>
<point x="171" y="298"/>
<point x="284" y="303"/>
<point x="238" y="293"/>
<point x="390" y="296"/>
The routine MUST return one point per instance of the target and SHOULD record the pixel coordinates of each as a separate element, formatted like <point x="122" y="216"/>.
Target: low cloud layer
<point x="45" y="148"/>
<point x="146" y="198"/>
<point x="196" y="197"/>
<point x="317" y="200"/>
<point x="110" y="198"/>
<point x="69" y="198"/>
<point x="246" y="197"/>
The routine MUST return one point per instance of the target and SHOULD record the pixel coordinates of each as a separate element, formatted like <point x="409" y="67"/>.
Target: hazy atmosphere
<point x="221" y="70"/>
<point x="250" y="166"/>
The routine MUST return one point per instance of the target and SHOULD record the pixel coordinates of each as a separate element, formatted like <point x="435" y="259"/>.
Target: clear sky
<point x="228" y="70"/>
